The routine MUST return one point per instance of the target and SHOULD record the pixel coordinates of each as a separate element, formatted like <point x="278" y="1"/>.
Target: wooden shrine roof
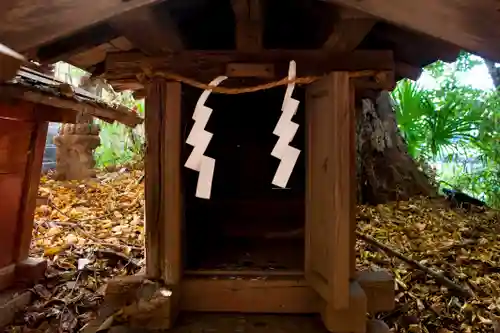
<point x="418" y="32"/>
<point x="31" y="86"/>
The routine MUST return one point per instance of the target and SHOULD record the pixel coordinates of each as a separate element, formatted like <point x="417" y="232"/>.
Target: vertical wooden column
<point x="330" y="203"/>
<point x="30" y="190"/>
<point x="162" y="181"/>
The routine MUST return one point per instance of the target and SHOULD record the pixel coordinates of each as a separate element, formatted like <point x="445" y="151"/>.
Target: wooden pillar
<point x="330" y="203"/>
<point x="162" y="181"/>
<point x="30" y="190"/>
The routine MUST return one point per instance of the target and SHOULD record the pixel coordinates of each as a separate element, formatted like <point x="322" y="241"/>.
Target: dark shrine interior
<point x="230" y="230"/>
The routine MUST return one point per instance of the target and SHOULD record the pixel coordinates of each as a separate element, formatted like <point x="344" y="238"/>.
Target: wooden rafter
<point x="468" y="24"/>
<point x="150" y="33"/>
<point x="32" y="23"/>
<point x="249" y="24"/>
<point x="348" y="31"/>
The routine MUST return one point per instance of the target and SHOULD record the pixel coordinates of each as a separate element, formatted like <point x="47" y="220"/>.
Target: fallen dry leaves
<point x="91" y="231"/>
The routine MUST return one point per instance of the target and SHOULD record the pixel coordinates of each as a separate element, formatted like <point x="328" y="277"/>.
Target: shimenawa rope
<point x="148" y="75"/>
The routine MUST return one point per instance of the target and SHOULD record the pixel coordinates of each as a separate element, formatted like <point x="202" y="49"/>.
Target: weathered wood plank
<point x="30" y="190"/>
<point x="162" y="33"/>
<point x="249" y="24"/>
<point x="465" y="23"/>
<point x="209" y="64"/>
<point x="32" y="23"/>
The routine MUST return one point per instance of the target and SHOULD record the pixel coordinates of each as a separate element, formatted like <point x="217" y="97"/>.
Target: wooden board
<point x="255" y="295"/>
<point x="329" y="205"/>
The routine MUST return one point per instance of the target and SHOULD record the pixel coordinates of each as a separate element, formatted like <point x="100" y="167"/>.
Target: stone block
<point x="379" y="290"/>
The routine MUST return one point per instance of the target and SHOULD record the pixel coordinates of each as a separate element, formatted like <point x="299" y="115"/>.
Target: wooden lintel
<point x="31" y="23"/>
<point x="249" y="24"/>
<point x="265" y="71"/>
<point x="467" y="24"/>
<point x="348" y="31"/>
<point x="205" y="65"/>
<point x="152" y="34"/>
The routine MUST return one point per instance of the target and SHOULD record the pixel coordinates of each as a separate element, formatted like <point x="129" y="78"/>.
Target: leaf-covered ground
<point x="94" y="230"/>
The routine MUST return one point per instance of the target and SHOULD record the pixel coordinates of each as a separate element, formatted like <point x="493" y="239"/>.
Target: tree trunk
<point x="385" y="171"/>
<point x="494" y="72"/>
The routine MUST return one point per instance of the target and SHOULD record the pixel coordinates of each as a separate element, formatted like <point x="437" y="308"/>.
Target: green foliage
<point x="455" y="127"/>
<point x="121" y="144"/>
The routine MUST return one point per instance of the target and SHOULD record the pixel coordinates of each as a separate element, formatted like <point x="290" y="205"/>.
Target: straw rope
<point x="149" y="75"/>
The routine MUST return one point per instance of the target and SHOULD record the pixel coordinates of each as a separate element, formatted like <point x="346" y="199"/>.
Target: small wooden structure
<point x="216" y="255"/>
<point x="28" y="102"/>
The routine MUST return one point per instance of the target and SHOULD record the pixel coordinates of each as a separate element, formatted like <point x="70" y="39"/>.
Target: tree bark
<point x="385" y="170"/>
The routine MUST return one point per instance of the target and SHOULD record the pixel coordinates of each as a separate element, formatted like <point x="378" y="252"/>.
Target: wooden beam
<point x="414" y="48"/>
<point x="32" y="23"/>
<point x="10" y="62"/>
<point x="81" y="41"/>
<point x="249" y="24"/>
<point x="18" y="109"/>
<point x="152" y="34"/>
<point x="205" y="65"/>
<point x="108" y="114"/>
<point x="468" y="24"/>
<point x="404" y="70"/>
<point x="349" y="30"/>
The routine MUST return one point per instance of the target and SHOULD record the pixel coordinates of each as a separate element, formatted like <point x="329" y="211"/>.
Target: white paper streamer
<point x="199" y="138"/>
<point x="286" y="129"/>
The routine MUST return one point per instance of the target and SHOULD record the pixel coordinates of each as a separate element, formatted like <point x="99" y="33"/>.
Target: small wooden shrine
<point x="223" y="180"/>
<point x="29" y="100"/>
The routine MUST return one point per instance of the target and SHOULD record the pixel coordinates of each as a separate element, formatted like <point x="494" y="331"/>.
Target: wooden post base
<point x="351" y="319"/>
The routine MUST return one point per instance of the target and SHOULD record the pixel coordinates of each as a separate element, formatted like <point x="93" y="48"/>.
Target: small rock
<point x="376" y="326"/>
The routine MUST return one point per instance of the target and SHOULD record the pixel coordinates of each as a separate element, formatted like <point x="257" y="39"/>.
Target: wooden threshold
<point x="284" y="294"/>
<point x="239" y="273"/>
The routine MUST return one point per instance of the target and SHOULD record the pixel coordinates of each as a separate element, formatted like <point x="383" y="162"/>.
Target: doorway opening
<point x="233" y="231"/>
